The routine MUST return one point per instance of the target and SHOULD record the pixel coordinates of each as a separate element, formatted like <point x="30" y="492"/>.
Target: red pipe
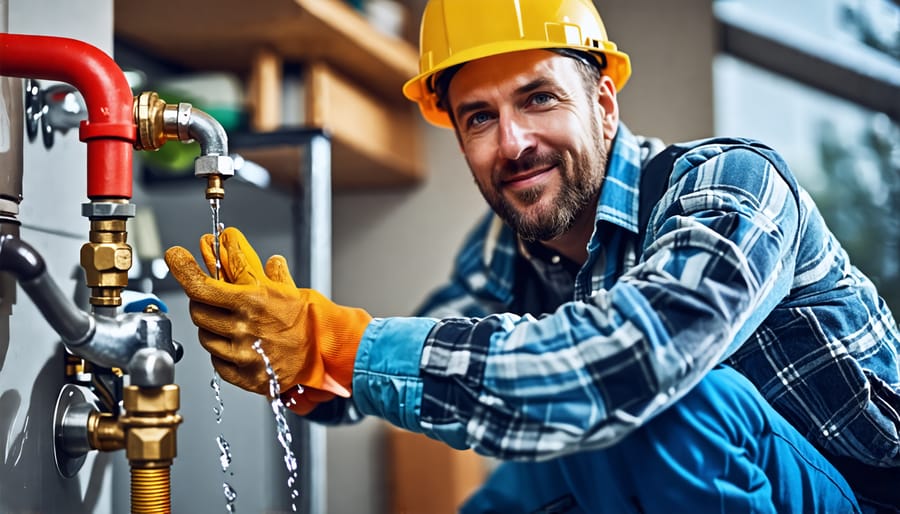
<point x="109" y="130"/>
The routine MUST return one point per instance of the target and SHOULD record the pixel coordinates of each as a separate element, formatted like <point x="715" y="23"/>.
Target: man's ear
<point x="609" y="105"/>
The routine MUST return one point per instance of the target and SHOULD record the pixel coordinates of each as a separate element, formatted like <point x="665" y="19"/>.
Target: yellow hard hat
<point x="458" y="31"/>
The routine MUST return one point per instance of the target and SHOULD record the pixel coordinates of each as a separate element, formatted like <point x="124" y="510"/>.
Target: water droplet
<point x="220" y="405"/>
<point x="283" y="430"/>
<point x="230" y="496"/>
<point x="224" y="452"/>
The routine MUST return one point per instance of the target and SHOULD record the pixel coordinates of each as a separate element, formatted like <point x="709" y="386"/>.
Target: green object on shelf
<point x="173" y="159"/>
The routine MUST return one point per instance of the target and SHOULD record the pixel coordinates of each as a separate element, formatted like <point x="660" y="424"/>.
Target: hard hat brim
<point x="418" y="89"/>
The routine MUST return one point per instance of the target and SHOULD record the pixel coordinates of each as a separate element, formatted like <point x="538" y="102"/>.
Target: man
<point x="718" y="364"/>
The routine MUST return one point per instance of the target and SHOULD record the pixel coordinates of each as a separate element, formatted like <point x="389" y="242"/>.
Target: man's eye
<point x="478" y="118"/>
<point x="541" y="98"/>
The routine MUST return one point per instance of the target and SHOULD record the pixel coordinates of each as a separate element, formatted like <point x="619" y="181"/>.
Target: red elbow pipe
<point x="109" y="130"/>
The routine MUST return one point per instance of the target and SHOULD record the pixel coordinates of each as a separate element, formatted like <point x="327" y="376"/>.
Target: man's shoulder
<point x="720" y="145"/>
<point x="720" y="153"/>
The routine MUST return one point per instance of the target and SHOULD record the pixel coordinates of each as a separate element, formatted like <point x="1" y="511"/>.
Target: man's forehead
<point x="509" y="68"/>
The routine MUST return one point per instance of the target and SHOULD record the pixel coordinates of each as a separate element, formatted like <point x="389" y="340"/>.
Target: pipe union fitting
<point x="213" y="165"/>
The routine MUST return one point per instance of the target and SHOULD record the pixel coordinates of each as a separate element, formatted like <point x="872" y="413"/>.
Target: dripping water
<point x="283" y="431"/>
<point x="221" y="443"/>
<point x="230" y="496"/>
<point x="225" y="463"/>
<point x="223" y="446"/>
<point x="220" y="405"/>
<point x="224" y="453"/>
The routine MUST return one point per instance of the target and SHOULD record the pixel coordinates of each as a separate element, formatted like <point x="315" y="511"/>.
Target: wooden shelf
<point x="226" y="34"/>
<point x="354" y="72"/>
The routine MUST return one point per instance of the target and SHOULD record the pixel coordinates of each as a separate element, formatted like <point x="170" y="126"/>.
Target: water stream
<point x="217" y="231"/>
<point x="282" y="429"/>
<point x="221" y="443"/>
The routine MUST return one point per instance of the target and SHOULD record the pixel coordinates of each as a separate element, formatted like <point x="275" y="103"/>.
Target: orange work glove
<point x="308" y="339"/>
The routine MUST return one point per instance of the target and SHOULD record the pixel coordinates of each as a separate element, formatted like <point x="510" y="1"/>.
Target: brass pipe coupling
<point x="158" y="122"/>
<point x="106" y="257"/>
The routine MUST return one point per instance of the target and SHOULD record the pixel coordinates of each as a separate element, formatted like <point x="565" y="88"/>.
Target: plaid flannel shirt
<point x="738" y="267"/>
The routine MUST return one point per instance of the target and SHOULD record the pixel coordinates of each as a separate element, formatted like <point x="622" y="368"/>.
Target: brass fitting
<point x="157" y="122"/>
<point x="147" y="432"/>
<point x="106" y="260"/>
<point x="150" y="420"/>
<point x="105" y="433"/>
<point x="214" y="188"/>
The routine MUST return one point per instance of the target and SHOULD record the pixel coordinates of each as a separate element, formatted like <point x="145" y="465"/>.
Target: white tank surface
<point x="32" y="362"/>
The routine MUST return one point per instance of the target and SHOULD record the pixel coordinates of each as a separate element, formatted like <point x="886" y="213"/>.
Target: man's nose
<point x="516" y="136"/>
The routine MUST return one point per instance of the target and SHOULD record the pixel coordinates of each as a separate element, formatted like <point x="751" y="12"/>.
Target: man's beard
<point x="579" y="185"/>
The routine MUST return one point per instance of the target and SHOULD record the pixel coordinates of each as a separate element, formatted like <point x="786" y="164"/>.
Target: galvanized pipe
<point x="72" y="324"/>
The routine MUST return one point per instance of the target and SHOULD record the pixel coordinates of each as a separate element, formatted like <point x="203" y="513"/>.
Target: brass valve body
<point x="150" y="421"/>
<point x="147" y="432"/>
<point x="106" y="260"/>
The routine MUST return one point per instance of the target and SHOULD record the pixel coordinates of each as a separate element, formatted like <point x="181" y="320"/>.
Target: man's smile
<point x="528" y="179"/>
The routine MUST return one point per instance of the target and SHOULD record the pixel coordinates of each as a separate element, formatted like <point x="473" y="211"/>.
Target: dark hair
<point x="590" y="64"/>
<point x="441" y="85"/>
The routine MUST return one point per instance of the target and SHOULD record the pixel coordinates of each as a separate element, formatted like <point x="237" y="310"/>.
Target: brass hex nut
<point x="106" y="256"/>
<point x="151" y="400"/>
<point x="150" y="443"/>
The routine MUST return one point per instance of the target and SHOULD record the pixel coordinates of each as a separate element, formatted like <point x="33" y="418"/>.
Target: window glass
<point x="871" y="26"/>
<point x="847" y="157"/>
